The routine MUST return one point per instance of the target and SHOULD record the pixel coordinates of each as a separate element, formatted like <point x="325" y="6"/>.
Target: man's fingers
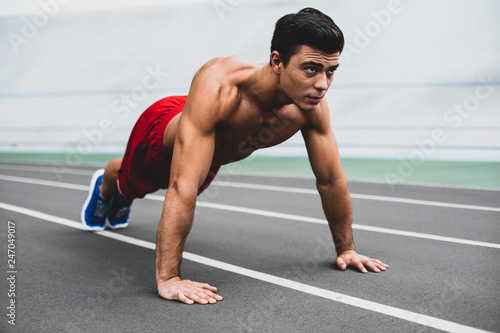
<point x="354" y="262"/>
<point x="205" y="286"/>
<point x="192" y="297"/>
<point x="361" y="267"/>
<point x="373" y="266"/>
<point x="340" y="263"/>
<point x="380" y="263"/>
<point x="202" y="293"/>
<point x="362" y="263"/>
<point x="377" y="265"/>
<point x="210" y="296"/>
<point x="199" y="298"/>
<point x="382" y="266"/>
<point x="189" y="292"/>
<point x="184" y="299"/>
<point x="210" y="291"/>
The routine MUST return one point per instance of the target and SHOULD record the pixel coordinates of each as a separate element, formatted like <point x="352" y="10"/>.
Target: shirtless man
<point x="231" y="104"/>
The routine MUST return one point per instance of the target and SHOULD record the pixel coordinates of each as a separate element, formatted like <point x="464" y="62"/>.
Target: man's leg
<point x="109" y="185"/>
<point x="119" y="211"/>
<point x="105" y="201"/>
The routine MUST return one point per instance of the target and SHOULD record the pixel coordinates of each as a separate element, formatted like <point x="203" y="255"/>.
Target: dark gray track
<point x="68" y="280"/>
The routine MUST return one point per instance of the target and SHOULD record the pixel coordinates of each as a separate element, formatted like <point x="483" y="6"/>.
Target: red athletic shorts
<point x="146" y="164"/>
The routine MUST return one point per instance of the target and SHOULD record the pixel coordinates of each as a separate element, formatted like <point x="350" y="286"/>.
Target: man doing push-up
<point x="180" y="142"/>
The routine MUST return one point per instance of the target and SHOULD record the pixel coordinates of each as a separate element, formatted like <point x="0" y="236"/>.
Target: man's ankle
<point x="105" y="197"/>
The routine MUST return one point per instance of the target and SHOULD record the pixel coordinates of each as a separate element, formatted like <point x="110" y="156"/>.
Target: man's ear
<point x="276" y="62"/>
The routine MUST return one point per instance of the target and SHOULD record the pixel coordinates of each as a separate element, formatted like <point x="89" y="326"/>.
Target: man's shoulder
<point x="234" y="62"/>
<point x="230" y="70"/>
<point x="221" y="80"/>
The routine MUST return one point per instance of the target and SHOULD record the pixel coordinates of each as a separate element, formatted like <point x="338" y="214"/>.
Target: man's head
<point x="304" y="55"/>
<point x="307" y="27"/>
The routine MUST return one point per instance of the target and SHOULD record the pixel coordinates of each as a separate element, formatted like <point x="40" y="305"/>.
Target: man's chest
<point x="251" y="131"/>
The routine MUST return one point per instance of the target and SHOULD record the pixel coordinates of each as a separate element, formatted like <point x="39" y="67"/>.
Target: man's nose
<point x="321" y="82"/>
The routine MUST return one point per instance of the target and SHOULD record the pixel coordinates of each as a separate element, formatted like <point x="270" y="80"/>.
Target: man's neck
<point x="264" y="86"/>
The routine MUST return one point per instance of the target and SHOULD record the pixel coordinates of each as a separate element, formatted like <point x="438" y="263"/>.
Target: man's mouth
<point x="314" y="99"/>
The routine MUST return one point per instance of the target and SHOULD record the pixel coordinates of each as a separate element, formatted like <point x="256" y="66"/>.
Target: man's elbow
<point x="333" y="184"/>
<point x="183" y="193"/>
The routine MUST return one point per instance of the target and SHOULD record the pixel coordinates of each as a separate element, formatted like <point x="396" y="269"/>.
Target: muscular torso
<point x="249" y="129"/>
<point x="246" y="126"/>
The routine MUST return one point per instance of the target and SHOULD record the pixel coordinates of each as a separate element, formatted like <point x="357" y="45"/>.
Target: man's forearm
<point x="336" y="203"/>
<point x="174" y="227"/>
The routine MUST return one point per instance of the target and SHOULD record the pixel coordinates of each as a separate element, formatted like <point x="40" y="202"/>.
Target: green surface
<point x="450" y="173"/>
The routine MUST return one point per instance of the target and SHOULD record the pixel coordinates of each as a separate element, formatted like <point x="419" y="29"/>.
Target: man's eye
<point x="311" y="69"/>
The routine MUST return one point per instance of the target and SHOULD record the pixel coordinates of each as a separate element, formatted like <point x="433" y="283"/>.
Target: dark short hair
<point x="308" y="27"/>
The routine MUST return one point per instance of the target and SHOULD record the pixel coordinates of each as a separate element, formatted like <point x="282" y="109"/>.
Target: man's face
<point x="307" y="76"/>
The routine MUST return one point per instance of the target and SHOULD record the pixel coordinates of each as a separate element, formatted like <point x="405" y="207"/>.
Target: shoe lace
<point x="101" y="209"/>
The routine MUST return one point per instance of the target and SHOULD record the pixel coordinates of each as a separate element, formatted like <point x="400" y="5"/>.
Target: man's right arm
<point x="191" y="161"/>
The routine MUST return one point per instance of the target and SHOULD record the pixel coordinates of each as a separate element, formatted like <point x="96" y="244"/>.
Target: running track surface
<point x="265" y="244"/>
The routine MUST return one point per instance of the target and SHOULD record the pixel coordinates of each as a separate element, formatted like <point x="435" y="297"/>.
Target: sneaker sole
<point x="117" y="226"/>
<point x="96" y="175"/>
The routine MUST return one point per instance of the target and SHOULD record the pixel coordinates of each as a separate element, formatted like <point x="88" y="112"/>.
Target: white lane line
<point x="265" y="187"/>
<point x="42" y="182"/>
<point x="55" y="169"/>
<point x="322" y="221"/>
<point x="425" y="236"/>
<point x="355" y="196"/>
<point x="261" y="212"/>
<point x="423" y="202"/>
<point x="414" y="317"/>
<point x="299" y="191"/>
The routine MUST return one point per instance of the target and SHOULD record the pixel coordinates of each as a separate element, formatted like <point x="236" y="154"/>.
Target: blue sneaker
<point x="96" y="208"/>
<point x="119" y="213"/>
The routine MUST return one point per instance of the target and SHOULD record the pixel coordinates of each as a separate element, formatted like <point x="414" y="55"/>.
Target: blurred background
<point x="418" y="80"/>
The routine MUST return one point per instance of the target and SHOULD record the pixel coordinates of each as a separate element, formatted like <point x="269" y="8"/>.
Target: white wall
<point x="418" y="79"/>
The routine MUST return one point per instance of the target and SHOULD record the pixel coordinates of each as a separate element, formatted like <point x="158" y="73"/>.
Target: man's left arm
<point x="332" y="187"/>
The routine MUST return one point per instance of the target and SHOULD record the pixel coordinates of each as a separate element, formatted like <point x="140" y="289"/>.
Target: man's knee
<point x="115" y="164"/>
